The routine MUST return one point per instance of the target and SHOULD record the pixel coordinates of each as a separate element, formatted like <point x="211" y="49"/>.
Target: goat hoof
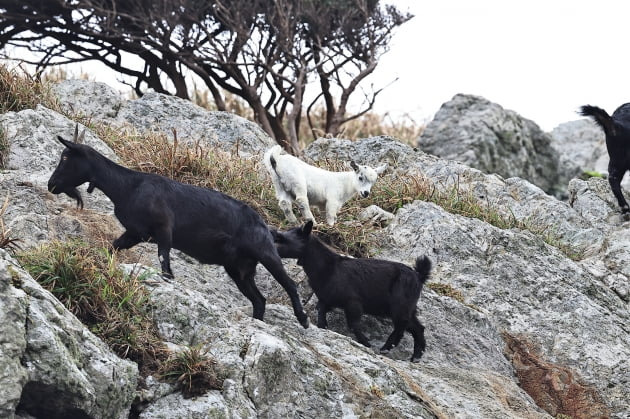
<point x="384" y="350"/>
<point x="305" y="322"/>
<point x="416" y="359"/>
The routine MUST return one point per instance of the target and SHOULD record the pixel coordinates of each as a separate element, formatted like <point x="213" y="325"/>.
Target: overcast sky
<point x="540" y="58"/>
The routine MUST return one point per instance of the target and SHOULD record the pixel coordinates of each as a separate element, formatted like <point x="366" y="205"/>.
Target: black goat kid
<point x="617" y="130"/>
<point x="203" y="223"/>
<point x="372" y="286"/>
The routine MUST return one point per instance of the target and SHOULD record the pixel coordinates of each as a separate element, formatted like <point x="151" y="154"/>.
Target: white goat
<point x="296" y="180"/>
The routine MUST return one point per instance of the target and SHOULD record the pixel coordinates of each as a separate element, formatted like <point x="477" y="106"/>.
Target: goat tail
<point x="423" y="268"/>
<point x="271" y="157"/>
<point x="601" y="117"/>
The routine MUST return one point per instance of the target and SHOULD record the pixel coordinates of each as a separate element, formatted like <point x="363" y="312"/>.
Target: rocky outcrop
<point x="87" y="99"/>
<point x="516" y="325"/>
<point x="582" y="143"/>
<point x="484" y="135"/>
<point x="50" y="364"/>
<point x="157" y="112"/>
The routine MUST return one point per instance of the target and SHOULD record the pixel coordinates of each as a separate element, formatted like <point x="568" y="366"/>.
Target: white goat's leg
<point x="285" y="203"/>
<point x="287" y="209"/>
<point x="302" y="202"/>
<point x="332" y="208"/>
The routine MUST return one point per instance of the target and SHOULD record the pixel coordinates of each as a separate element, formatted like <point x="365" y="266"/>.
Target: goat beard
<point x="75" y="194"/>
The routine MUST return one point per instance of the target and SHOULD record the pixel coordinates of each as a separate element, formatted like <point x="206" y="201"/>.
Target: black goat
<point x="203" y="223"/>
<point x="617" y="130"/>
<point x="372" y="286"/>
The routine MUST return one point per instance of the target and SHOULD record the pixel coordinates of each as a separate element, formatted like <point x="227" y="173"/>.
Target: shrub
<point x="192" y="370"/>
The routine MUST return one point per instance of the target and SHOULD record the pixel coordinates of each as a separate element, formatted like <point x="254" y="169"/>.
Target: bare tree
<point x="265" y="52"/>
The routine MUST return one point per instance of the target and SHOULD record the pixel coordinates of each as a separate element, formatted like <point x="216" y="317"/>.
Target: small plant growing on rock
<point x="447" y="291"/>
<point x="193" y="370"/>
<point x="587" y="174"/>
<point x="6" y="241"/>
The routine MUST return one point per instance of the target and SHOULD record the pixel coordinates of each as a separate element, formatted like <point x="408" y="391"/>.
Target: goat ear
<point x="307" y="228"/>
<point x="381" y="168"/>
<point x="354" y="166"/>
<point x="69" y="144"/>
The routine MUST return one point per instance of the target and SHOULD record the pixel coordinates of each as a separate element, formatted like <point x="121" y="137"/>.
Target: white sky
<point x="540" y="58"/>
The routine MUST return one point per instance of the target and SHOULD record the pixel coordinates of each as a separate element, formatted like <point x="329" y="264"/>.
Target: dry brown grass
<point x="7" y="241"/>
<point x="19" y="90"/>
<point x="193" y="370"/>
<point x="371" y="124"/>
<point x="244" y="179"/>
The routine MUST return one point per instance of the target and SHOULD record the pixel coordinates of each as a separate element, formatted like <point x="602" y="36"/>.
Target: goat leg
<point x="395" y="337"/>
<point x="419" y="343"/>
<point x="285" y="206"/>
<point x="322" y="309"/>
<point x="354" y="311"/>
<point x="272" y="262"/>
<point x="305" y="209"/>
<point x="614" y="179"/>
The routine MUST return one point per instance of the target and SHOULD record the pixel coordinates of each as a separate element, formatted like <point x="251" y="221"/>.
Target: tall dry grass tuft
<point x="195" y="164"/>
<point x="193" y="370"/>
<point x="19" y="90"/>
<point x="7" y="240"/>
<point x="405" y="129"/>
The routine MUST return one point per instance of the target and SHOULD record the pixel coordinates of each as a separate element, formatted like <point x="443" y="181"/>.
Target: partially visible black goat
<point x="617" y="130"/>
<point x="203" y="223"/>
<point x="372" y="286"/>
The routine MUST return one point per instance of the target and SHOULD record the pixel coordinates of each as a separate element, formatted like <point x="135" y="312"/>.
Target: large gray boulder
<point x="51" y="365"/>
<point x="161" y="113"/>
<point x="34" y="153"/>
<point x="484" y="135"/>
<point x="87" y="99"/>
<point x="164" y="113"/>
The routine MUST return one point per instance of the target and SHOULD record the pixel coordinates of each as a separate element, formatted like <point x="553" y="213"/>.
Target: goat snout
<point x="365" y="194"/>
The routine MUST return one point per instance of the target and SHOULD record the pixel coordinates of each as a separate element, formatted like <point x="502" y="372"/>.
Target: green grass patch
<point x="88" y="281"/>
<point x="587" y="174"/>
